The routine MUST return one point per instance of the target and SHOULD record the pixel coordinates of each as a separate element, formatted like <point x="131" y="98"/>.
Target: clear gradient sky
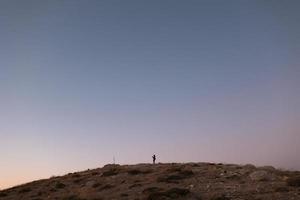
<point x="202" y="81"/>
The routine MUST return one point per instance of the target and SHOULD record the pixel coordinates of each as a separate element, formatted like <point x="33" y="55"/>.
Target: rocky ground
<point x="194" y="181"/>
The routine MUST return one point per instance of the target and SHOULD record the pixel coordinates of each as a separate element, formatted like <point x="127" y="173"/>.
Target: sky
<point x="83" y="82"/>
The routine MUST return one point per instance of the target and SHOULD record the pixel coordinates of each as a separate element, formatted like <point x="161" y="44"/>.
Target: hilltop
<point x="194" y="181"/>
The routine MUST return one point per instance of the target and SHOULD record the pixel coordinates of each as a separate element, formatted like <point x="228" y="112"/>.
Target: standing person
<point x="154" y="158"/>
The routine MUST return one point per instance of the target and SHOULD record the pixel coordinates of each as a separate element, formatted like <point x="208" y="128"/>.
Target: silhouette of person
<point x="154" y="158"/>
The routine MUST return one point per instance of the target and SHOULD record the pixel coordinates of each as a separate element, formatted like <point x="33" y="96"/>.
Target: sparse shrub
<point x="169" y="178"/>
<point x="151" y="190"/>
<point x="111" y="166"/>
<point x="174" y="169"/>
<point x="25" y="190"/>
<point x="147" y="171"/>
<point x="233" y="177"/>
<point x="106" y="187"/>
<point x="171" y="193"/>
<point x="3" y="194"/>
<point x="135" y="185"/>
<point x="137" y="171"/>
<point x="134" y="172"/>
<point x="220" y="197"/>
<point x="95" y="185"/>
<point x="76" y="175"/>
<point x="95" y="173"/>
<point x="195" y="165"/>
<point x="72" y="197"/>
<point x="78" y="180"/>
<point x="238" y="167"/>
<point x="186" y="173"/>
<point x="241" y="181"/>
<point x="282" y="173"/>
<point x="267" y="168"/>
<point x="179" y="169"/>
<point x="250" y="166"/>
<point x="176" y="192"/>
<point x="174" y="178"/>
<point x="293" y="181"/>
<point x="281" y="189"/>
<point x="110" y="172"/>
<point x="59" y="185"/>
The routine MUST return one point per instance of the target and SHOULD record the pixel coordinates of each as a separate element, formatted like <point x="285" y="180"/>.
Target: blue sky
<point x="83" y="81"/>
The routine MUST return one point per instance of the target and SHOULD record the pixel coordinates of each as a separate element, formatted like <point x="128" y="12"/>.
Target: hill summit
<point x="191" y="181"/>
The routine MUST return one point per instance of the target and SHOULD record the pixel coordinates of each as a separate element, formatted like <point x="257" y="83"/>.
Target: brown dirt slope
<point x="194" y="181"/>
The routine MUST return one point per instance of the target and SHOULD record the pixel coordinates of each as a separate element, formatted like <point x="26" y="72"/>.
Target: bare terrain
<point x="194" y="181"/>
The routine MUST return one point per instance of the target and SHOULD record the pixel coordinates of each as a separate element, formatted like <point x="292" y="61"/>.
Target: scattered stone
<point x="261" y="175"/>
<point x="90" y="183"/>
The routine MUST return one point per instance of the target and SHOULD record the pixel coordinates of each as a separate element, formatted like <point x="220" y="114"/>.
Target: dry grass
<point x="294" y="181"/>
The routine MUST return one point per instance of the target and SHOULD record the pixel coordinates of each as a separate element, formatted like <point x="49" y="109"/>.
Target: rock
<point x="244" y="171"/>
<point x="233" y="176"/>
<point x="90" y="183"/>
<point x="261" y="175"/>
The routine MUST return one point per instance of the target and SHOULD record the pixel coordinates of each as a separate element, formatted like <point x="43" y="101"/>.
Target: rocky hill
<point x="193" y="181"/>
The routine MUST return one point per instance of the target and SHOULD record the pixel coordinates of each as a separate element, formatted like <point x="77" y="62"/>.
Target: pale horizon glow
<point x="82" y="82"/>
